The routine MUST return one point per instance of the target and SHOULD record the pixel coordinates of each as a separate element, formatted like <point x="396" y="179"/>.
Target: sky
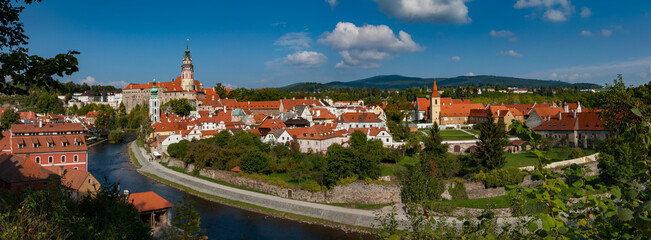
<point x="254" y="44"/>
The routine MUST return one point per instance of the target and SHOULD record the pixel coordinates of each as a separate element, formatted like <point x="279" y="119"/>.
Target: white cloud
<point x="434" y="11"/>
<point x="501" y="33"/>
<point x="455" y="59"/>
<point x="119" y="84"/>
<point x="362" y="47"/>
<point x="333" y="3"/>
<point x="586" y="33"/>
<point x="606" y="32"/>
<point x="511" y="53"/>
<point x="601" y="73"/>
<point x="554" y="10"/>
<point x="306" y="59"/>
<point x="88" y="80"/>
<point x="294" y="40"/>
<point x="586" y="12"/>
<point x="470" y="74"/>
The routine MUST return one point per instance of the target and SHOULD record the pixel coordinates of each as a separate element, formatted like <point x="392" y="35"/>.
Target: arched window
<point x="38" y="160"/>
<point x="63" y="158"/>
<point x="75" y="158"/>
<point x="50" y="159"/>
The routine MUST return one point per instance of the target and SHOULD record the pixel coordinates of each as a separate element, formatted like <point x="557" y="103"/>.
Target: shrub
<point x="255" y="161"/>
<point x="312" y="186"/>
<point x="346" y="180"/>
<point x="575" y="153"/>
<point x="115" y="136"/>
<point x="368" y="180"/>
<point x="178" y="150"/>
<point x="458" y="192"/>
<point x="500" y="177"/>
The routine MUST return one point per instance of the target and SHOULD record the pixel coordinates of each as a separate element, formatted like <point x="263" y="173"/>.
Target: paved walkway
<point x="355" y="217"/>
<point x="348" y="216"/>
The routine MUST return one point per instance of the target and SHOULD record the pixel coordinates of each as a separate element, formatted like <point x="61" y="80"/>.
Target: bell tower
<point x="187" y="71"/>
<point x="435" y="105"/>
<point x="154" y="104"/>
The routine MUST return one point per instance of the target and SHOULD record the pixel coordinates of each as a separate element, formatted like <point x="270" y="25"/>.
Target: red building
<point x="17" y="173"/>
<point x="51" y="145"/>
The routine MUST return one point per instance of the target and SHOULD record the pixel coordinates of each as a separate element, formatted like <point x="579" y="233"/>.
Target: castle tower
<point x="187" y="71"/>
<point x="435" y="105"/>
<point x="154" y="104"/>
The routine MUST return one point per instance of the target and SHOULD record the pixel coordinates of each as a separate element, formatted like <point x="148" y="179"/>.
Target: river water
<point x="220" y="221"/>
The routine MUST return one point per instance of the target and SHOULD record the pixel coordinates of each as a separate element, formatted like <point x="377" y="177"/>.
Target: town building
<point x="78" y="183"/>
<point x="359" y="120"/>
<point x="153" y="209"/>
<point x="184" y="86"/>
<point x="578" y="129"/>
<point x="17" y="172"/>
<point x="317" y="138"/>
<point x="51" y="145"/>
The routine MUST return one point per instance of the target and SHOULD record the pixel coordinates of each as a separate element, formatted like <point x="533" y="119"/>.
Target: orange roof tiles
<point x="271" y="124"/>
<point x="435" y="91"/>
<point x="422" y="104"/>
<point x="149" y="201"/>
<point x="49" y="127"/>
<point x="258" y="105"/>
<point x="45" y="144"/>
<point x="14" y="169"/>
<point x="289" y="104"/>
<point x="74" y="179"/>
<point x="358" y="117"/>
<point x="316" y="132"/>
<point x="321" y="114"/>
<point x="459" y="110"/>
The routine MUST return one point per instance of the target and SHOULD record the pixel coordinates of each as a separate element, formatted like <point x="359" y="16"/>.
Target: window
<point x="89" y="181"/>
<point x="38" y="160"/>
<point x="50" y="159"/>
<point x="76" y="168"/>
<point x="63" y="159"/>
<point x="75" y="158"/>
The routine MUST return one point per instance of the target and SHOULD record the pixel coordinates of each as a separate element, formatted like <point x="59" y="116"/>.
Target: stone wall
<point x="356" y="192"/>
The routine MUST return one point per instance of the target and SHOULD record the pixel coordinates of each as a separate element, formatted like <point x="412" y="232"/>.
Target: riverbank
<point x="349" y="220"/>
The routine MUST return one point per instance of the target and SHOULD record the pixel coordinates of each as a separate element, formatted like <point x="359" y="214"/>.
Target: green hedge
<point x="500" y="177"/>
<point x="458" y="192"/>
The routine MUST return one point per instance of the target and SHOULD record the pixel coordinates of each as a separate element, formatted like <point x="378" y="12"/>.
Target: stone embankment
<point x="355" y="192"/>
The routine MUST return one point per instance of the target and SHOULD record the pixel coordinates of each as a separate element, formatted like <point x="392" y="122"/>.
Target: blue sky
<point x="275" y="43"/>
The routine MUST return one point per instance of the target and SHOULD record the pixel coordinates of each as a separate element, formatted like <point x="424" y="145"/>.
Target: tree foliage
<point x="20" y="70"/>
<point x="8" y="118"/>
<point x="188" y="221"/>
<point x="255" y="161"/>
<point x="491" y="144"/>
<point x="181" y="107"/>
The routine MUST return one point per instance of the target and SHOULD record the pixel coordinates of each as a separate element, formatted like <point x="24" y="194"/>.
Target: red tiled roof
<point x="14" y="169"/>
<point x="257" y="105"/>
<point x="357" y="117"/>
<point x="74" y="178"/>
<point x="462" y="110"/>
<point x="435" y="91"/>
<point x="422" y="104"/>
<point x="43" y="143"/>
<point x="544" y="112"/>
<point x="260" y="117"/>
<point x="47" y="127"/>
<point x="272" y="124"/>
<point x="27" y="115"/>
<point x="525" y="109"/>
<point x="321" y="114"/>
<point x="316" y="132"/>
<point x="149" y="201"/>
<point x="587" y="121"/>
<point x="289" y="104"/>
<point x="5" y="141"/>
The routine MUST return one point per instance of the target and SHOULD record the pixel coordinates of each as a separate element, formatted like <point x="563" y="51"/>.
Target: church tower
<point x="154" y="104"/>
<point x="187" y="71"/>
<point x="435" y="105"/>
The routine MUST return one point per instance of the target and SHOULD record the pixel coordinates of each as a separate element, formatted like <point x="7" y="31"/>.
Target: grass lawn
<point x="473" y="131"/>
<point x="529" y="159"/>
<point x="389" y="169"/>
<point x="451" y="135"/>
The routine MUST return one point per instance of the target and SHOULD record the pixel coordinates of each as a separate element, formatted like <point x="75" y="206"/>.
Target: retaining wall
<point x="356" y="192"/>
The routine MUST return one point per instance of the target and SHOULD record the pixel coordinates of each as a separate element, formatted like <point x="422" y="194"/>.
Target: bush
<point x="500" y="177"/>
<point x="368" y="180"/>
<point x="312" y="186"/>
<point x="255" y="161"/>
<point x="346" y="180"/>
<point x="115" y="136"/>
<point x="178" y="150"/>
<point x="458" y="192"/>
<point x="575" y="153"/>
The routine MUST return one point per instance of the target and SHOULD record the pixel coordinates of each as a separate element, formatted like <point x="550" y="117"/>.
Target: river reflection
<point x="220" y="221"/>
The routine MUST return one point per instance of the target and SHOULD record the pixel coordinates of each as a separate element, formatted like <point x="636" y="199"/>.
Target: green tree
<point x="8" y="118"/>
<point x="340" y="164"/>
<point x="178" y="150"/>
<point x="115" y="136"/>
<point x="181" y="107"/>
<point x="432" y="142"/>
<point x="49" y="103"/>
<point x="491" y="144"/>
<point x="255" y="161"/>
<point x="20" y="70"/>
<point x="188" y="221"/>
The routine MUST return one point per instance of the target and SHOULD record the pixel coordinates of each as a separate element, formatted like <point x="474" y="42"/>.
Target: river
<point x="220" y="221"/>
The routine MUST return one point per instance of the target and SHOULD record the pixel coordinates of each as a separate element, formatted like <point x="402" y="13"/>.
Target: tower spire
<point x="435" y="90"/>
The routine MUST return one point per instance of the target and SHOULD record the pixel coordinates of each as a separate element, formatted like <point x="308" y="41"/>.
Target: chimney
<point x="498" y="113"/>
<point x="249" y="102"/>
<point x="575" y="116"/>
<point x="40" y="123"/>
<point x="567" y="108"/>
<point x="293" y="98"/>
<point x="560" y="116"/>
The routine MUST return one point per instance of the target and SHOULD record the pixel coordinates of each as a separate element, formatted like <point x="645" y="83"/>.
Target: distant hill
<point x="400" y="82"/>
